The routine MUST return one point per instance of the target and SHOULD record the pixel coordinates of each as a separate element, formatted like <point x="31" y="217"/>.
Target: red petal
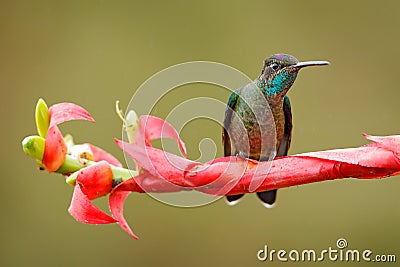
<point x="293" y="171"/>
<point x="159" y="163"/>
<point x="173" y="173"/>
<point x="146" y="183"/>
<point x="391" y="143"/>
<point x="85" y="212"/>
<point x="151" y="128"/>
<point x="96" y="180"/>
<point x="116" y="202"/>
<point x="55" y="149"/>
<point x="221" y="175"/>
<point x="367" y="156"/>
<point x="63" y="112"/>
<point x="97" y="153"/>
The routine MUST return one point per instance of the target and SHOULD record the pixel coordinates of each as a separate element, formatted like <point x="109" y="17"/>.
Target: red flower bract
<point x="151" y="128"/>
<point x="55" y="147"/>
<point x="92" y="182"/>
<point x="85" y="211"/>
<point x="96" y="180"/>
<point x="63" y="112"/>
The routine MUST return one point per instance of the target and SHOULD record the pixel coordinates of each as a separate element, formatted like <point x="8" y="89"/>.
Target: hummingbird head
<point x="280" y="72"/>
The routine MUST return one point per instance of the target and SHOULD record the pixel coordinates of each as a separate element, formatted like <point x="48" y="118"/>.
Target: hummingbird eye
<point x="274" y="66"/>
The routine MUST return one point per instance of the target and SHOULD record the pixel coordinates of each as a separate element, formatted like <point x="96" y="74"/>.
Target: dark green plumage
<point x="258" y="118"/>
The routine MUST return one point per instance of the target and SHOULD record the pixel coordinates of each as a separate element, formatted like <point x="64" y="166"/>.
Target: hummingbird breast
<point x="257" y="125"/>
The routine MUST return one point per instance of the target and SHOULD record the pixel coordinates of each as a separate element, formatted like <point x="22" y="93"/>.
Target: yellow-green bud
<point x="42" y="117"/>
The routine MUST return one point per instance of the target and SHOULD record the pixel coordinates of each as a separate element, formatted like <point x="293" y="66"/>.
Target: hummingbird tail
<point x="267" y="198"/>
<point x="233" y="200"/>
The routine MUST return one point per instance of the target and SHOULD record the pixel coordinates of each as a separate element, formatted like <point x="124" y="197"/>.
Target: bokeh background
<point x="95" y="52"/>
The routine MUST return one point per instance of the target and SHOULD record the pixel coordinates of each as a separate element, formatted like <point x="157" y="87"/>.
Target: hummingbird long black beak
<point x="309" y="63"/>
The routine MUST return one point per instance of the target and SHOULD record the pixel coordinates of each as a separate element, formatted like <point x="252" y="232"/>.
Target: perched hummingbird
<point x="258" y="117"/>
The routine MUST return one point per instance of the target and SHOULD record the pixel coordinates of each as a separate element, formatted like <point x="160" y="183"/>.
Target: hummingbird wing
<point x="287" y="136"/>
<point x="268" y="197"/>
<point x="233" y="99"/>
<point x="232" y="102"/>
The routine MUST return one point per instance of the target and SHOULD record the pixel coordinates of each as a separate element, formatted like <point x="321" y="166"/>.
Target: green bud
<point x="34" y="146"/>
<point x="131" y="124"/>
<point x="42" y="117"/>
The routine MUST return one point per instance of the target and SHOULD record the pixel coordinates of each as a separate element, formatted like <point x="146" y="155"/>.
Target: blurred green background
<point x="95" y="52"/>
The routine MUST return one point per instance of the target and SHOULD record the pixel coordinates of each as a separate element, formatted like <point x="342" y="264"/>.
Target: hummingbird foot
<point x="241" y="155"/>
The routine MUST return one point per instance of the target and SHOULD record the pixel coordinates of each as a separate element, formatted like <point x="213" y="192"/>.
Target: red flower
<point x="161" y="171"/>
<point x="93" y="181"/>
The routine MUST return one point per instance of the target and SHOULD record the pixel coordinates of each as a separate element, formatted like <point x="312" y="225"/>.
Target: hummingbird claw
<point x="241" y="155"/>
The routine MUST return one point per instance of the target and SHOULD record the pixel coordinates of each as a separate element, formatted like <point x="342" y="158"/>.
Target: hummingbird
<point x="258" y="116"/>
